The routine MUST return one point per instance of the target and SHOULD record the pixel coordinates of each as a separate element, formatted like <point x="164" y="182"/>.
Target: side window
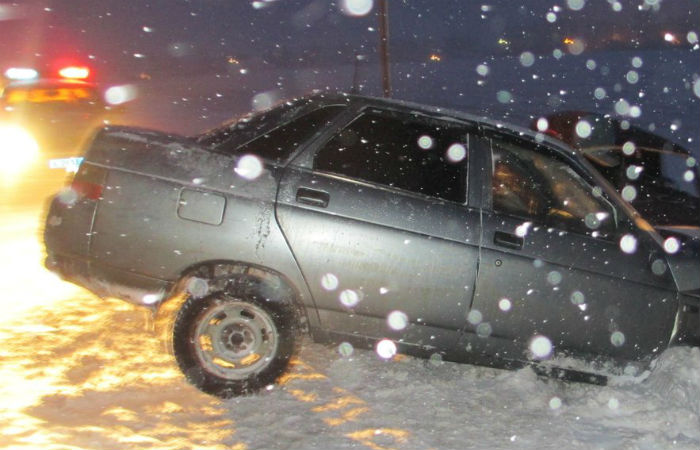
<point x="278" y="143"/>
<point x="419" y="155"/>
<point x="546" y="190"/>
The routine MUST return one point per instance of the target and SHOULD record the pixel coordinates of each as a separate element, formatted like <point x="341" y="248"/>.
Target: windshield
<point x="657" y="176"/>
<point x="662" y="186"/>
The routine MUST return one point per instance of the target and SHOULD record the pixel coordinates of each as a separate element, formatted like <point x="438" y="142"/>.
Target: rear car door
<point x="377" y="219"/>
<point x="562" y="273"/>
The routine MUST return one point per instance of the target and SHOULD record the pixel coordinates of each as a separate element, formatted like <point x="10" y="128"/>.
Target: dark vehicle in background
<point x="374" y="222"/>
<point x="659" y="178"/>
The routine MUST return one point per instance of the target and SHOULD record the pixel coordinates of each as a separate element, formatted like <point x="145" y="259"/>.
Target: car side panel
<point x="584" y="294"/>
<point x="168" y="206"/>
<point x="372" y="251"/>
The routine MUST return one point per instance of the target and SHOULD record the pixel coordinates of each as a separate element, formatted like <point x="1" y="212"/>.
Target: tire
<point x="230" y="344"/>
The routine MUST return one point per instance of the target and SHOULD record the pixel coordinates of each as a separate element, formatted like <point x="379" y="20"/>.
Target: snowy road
<point x="81" y="373"/>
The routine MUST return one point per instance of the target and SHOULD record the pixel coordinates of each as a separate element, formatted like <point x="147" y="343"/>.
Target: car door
<point x="376" y="217"/>
<point x="562" y="272"/>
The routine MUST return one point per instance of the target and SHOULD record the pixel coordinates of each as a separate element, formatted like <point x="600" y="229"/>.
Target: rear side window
<point x="276" y="144"/>
<point x="402" y="151"/>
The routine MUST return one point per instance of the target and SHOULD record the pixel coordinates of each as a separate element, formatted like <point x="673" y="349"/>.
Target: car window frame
<point x="471" y="134"/>
<point x="621" y="224"/>
<point x="301" y="143"/>
<point x="296" y="112"/>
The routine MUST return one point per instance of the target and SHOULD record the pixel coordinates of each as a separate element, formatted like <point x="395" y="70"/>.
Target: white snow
<point x="83" y="373"/>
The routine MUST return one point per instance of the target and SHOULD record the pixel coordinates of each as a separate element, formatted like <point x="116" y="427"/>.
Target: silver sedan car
<point x="375" y="222"/>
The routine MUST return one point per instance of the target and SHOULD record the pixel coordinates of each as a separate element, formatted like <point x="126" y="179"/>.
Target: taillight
<point x="89" y="182"/>
<point x="87" y="190"/>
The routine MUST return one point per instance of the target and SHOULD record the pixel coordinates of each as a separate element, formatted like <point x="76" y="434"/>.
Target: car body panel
<point x="141" y="228"/>
<point x="578" y="302"/>
<point x="361" y="238"/>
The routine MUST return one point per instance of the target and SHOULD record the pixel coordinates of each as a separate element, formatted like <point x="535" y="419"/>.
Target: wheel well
<point x="214" y="276"/>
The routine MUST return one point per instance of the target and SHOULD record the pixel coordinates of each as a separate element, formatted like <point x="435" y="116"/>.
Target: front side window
<point x="539" y="187"/>
<point x="407" y="152"/>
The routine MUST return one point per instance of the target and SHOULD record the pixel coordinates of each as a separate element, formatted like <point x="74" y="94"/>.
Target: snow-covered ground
<point x="81" y="373"/>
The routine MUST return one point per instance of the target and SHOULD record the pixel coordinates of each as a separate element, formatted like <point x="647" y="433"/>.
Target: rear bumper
<point x="67" y="238"/>
<point x="106" y="281"/>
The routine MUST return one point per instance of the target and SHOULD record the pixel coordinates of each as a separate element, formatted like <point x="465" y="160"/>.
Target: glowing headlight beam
<point x="19" y="149"/>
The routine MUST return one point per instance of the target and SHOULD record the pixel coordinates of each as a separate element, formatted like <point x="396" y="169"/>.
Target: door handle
<point x="508" y="240"/>
<point x="313" y="197"/>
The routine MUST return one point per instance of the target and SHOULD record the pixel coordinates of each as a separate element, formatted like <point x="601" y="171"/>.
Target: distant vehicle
<point x="373" y="222"/>
<point x="49" y="113"/>
<point x="659" y="178"/>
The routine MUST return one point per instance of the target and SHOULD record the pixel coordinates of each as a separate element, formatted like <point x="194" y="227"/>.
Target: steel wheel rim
<point x="235" y="340"/>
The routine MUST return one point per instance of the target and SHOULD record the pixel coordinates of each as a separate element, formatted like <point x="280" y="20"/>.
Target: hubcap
<point x="235" y="340"/>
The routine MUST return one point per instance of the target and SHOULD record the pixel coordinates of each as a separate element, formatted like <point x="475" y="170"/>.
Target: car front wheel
<point x="230" y="345"/>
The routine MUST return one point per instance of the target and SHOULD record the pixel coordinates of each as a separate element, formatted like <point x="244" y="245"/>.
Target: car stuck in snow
<point x="375" y="222"/>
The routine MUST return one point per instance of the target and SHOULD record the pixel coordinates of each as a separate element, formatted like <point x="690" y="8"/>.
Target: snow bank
<point x="453" y="406"/>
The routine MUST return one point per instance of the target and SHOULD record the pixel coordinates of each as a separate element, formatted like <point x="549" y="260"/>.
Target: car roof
<point x="503" y="128"/>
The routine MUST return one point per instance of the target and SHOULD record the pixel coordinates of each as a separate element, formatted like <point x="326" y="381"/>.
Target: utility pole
<point x="384" y="46"/>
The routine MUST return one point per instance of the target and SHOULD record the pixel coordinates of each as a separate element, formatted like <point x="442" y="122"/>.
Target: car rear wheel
<point x="230" y="345"/>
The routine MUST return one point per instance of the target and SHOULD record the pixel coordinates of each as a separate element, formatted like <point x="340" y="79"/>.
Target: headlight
<point x="18" y="149"/>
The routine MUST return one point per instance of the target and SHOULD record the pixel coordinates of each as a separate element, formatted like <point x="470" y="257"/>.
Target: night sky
<point x="209" y="58"/>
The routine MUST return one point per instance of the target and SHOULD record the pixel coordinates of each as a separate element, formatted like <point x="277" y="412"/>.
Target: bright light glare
<point x="541" y="347"/>
<point x="456" y="153"/>
<point x="21" y="73"/>
<point x="74" y="72"/>
<point x="117" y="95"/>
<point x="672" y="245"/>
<point x="425" y="142"/>
<point x="505" y="304"/>
<point x="628" y="243"/>
<point x="329" y="282"/>
<point x="249" y="167"/>
<point x="584" y="129"/>
<point x="349" y="298"/>
<point x="356" y="7"/>
<point x="397" y="320"/>
<point x="19" y="149"/>
<point x="386" y="349"/>
<point x="670" y="37"/>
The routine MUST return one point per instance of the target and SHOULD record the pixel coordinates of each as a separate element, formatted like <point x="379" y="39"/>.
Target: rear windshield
<point x="272" y="135"/>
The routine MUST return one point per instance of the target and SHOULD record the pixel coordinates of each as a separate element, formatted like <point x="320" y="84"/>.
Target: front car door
<point x="377" y="219"/>
<point x="563" y="272"/>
